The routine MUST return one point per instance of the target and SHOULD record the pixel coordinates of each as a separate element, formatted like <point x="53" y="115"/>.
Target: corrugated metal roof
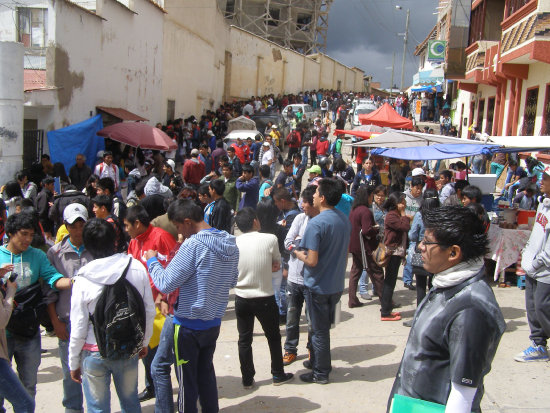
<point x="122" y="114"/>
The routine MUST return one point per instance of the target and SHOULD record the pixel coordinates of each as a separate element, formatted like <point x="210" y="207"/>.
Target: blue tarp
<point x="427" y="88"/>
<point x="435" y="152"/>
<point x="66" y="143"/>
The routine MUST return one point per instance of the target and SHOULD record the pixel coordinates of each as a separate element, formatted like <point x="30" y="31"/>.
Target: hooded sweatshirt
<point x="535" y="259"/>
<point x="413" y="204"/>
<point x="88" y="286"/>
<point x="154" y="187"/>
<point x="205" y="268"/>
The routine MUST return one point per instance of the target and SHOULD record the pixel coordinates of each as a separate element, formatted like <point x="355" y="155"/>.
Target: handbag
<point x="416" y="258"/>
<point x="381" y="255"/>
<point x="28" y="307"/>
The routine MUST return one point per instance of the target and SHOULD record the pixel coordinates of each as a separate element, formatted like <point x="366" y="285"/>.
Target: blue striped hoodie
<point x="204" y="269"/>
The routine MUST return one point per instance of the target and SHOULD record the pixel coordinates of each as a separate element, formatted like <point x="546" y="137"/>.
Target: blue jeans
<point x="161" y="366"/>
<point x="73" y="399"/>
<point x="280" y="297"/>
<point x="408" y="269"/>
<point x="27" y="353"/>
<point x="295" y="300"/>
<point x="304" y="156"/>
<point x="477" y="164"/>
<point x="194" y="350"/>
<point x="12" y="389"/>
<point x="96" y="382"/>
<point x="321" y="308"/>
<point x="364" y="283"/>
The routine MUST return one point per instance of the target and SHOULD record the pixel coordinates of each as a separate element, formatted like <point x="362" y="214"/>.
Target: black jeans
<point x="266" y="311"/>
<point x="321" y="309"/>
<point x="295" y="301"/>
<point x="537" y="303"/>
<point x="194" y="351"/>
<point x="423" y="283"/>
<point x="389" y="284"/>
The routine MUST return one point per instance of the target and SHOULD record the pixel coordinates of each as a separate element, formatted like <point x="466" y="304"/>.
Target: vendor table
<point x="505" y="246"/>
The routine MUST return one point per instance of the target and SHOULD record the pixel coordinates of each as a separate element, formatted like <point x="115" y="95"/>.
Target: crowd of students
<point x="169" y="242"/>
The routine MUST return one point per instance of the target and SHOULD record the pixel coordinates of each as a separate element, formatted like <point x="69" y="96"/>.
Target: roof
<point x="422" y="45"/>
<point x="385" y="115"/>
<point x="121" y="114"/>
<point x="34" y="79"/>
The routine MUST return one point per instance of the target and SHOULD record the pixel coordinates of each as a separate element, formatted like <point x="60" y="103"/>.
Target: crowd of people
<point x="134" y="258"/>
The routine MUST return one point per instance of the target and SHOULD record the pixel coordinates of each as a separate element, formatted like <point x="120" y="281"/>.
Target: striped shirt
<point x="205" y="268"/>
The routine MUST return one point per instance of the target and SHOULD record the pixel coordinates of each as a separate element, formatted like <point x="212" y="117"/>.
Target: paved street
<point x="366" y="353"/>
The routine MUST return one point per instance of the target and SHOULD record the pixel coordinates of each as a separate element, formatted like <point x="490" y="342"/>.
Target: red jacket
<point x="242" y="152"/>
<point x="155" y="239"/>
<point x="297" y="140"/>
<point x="193" y="171"/>
<point x="395" y="228"/>
<point x="322" y="147"/>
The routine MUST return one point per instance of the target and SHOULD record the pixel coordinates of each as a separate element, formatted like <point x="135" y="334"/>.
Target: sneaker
<point x="289" y="358"/>
<point x="410" y="286"/>
<point x="284" y="378"/>
<point x="391" y="317"/>
<point x="249" y="385"/>
<point x="366" y="296"/>
<point x="533" y="353"/>
<point x="311" y="378"/>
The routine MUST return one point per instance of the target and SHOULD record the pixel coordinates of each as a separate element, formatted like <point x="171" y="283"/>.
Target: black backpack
<point x="119" y="320"/>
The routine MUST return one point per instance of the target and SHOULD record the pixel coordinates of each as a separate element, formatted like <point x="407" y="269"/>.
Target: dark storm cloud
<point x="364" y="33"/>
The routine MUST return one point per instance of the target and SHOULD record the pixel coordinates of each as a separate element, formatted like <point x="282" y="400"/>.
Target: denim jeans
<point x="295" y="300"/>
<point x="73" y="400"/>
<point x="147" y="360"/>
<point x="96" y="382"/>
<point x="304" y="156"/>
<point x="194" y="350"/>
<point x="161" y="366"/>
<point x="280" y="297"/>
<point x="408" y="269"/>
<point x="363" y="283"/>
<point x="27" y="353"/>
<point x="264" y="309"/>
<point x="12" y="389"/>
<point x="321" y="308"/>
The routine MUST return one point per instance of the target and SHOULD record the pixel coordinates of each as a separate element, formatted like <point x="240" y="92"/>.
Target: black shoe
<point x="282" y="319"/>
<point x="284" y="378"/>
<point x="307" y="364"/>
<point x="310" y="378"/>
<point x="248" y="385"/>
<point x="408" y="323"/>
<point x="410" y="287"/>
<point x="146" y="394"/>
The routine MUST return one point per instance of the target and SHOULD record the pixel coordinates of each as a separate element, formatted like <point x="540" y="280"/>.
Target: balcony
<point x="476" y="55"/>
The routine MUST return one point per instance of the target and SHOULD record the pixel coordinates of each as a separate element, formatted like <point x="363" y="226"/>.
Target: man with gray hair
<point x="80" y="172"/>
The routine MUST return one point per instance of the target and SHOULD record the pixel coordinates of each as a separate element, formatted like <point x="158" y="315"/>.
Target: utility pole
<point x="405" y="49"/>
<point x="392" y="66"/>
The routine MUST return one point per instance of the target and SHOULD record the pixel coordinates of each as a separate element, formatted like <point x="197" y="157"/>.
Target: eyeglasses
<point x="426" y="243"/>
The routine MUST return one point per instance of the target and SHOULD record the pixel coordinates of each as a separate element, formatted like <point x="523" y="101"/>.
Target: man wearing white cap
<point x="68" y="256"/>
<point x="268" y="157"/>
<point x="535" y="260"/>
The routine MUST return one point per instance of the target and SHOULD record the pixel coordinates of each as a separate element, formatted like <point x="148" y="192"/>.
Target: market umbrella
<point x="140" y="135"/>
<point x="362" y="131"/>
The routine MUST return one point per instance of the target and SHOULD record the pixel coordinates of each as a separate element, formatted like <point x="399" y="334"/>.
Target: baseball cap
<point x="171" y="164"/>
<point x="266" y="143"/>
<point x="316" y="169"/>
<point x="210" y="133"/>
<point x="274" y="127"/>
<point x="74" y="211"/>
<point x="418" y="172"/>
<point x="547" y="170"/>
<point x="195" y="152"/>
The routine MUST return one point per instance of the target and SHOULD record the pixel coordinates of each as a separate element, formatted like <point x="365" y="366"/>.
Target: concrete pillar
<point x="11" y="109"/>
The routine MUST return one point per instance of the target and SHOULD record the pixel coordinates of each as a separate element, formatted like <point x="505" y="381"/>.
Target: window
<point x="513" y="6"/>
<point x="229" y="8"/>
<point x="477" y="22"/>
<point x="530" y="112"/>
<point x="31" y="27"/>
<point x="303" y="21"/>
<point x="171" y="109"/>
<point x="274" y="16"/>
<point x="546" y="113"/>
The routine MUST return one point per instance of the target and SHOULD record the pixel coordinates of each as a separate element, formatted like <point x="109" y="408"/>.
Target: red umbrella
<point x="140" y="135"/>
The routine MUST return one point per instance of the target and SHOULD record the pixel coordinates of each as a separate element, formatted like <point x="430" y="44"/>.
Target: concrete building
<point x="300" y="25"/>
<point x="85" y="56"/>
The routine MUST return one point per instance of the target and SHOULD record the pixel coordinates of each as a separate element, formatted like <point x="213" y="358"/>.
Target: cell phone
<point x="13" y="276"/>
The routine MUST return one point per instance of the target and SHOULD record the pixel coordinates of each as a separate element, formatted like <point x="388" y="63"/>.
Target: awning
<point x="429" y="77"/>
<point x="436" y="152"/>
<point x="121" y="114"/>
<point x="407" y="139"/>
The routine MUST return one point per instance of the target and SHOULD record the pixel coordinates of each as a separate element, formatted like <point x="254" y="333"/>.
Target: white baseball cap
<point x="418" y="172"/>
<point x="171" y="164"/>
<point x="74" y="211"/>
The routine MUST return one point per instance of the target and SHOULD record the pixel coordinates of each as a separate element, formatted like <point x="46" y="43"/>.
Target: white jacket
<point x="535" y="259"/>
<point x="87" y="287"/>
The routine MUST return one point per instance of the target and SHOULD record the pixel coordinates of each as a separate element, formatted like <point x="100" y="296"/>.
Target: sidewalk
<point x="365" y="355"/>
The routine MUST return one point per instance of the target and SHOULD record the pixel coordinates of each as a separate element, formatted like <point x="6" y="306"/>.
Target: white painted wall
<point x="11" y="109"/>
<point x="538" y="77"/>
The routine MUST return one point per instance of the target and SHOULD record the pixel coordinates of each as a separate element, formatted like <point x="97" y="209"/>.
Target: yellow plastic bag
<point x="157" y="328"/>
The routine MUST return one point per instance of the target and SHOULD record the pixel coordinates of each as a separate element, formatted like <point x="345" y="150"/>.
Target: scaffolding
<point x="299" y="25"/>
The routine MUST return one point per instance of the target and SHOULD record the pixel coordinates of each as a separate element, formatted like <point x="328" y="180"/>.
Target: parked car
<point x="275" y="118"/>
<point x="309" y="113"/>
<point x="232" y="136"/>
<point x="361" y="110"/>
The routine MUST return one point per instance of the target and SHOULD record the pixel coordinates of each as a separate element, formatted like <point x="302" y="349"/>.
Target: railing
<point x="513" y="6"/>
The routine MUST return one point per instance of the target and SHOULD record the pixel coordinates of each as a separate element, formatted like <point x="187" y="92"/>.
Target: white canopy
<point x="527" y="142"/>
<point x="407" y="139"/>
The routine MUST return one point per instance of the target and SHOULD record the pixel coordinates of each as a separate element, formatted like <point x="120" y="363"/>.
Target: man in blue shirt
<point x="249" y="186"/>
<point x="204" y="269"/>
<point x="324" y="251"/>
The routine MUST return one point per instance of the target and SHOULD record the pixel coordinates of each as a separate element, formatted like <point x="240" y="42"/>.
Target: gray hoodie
<point x="535" y="259"/>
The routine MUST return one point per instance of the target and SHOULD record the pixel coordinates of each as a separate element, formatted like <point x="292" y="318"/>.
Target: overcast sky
<point x="364" y="33"/>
